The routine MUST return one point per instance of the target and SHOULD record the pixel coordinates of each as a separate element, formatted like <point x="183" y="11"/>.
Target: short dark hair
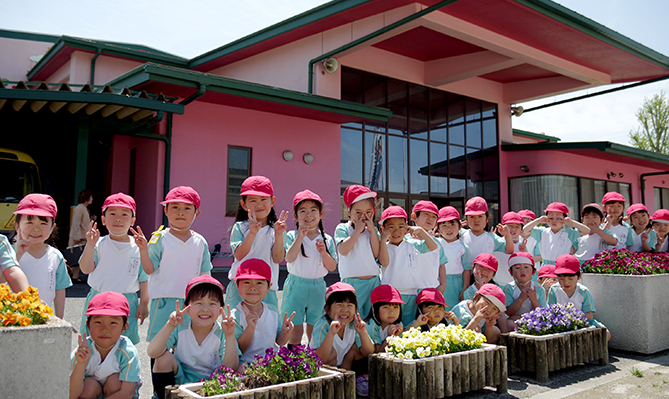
<point x="374" y="313"/>
<point x="577" y="274"/>
<point x="203" y="290"/>
<point x="84" y="195"/>
<point x="422" y="305"/>
<point x="88" y="320"/>
<point x="339" y="296"/>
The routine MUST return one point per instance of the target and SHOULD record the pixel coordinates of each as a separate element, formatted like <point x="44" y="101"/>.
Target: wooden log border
<point x="335" y="386"/>
<point x="543" y="355"/>
<point x="440" y="376"/>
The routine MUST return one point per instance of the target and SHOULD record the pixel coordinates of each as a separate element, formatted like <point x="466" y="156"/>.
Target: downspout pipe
<point x="92" y="79"/>
<point x="372" y="36"/>
<point x="643" y="183"/>
<point x="195" y="96"/>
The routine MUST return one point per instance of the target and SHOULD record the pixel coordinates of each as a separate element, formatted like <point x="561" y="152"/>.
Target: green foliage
<point x="636" y="372"/>
<point x="653" y="132"/>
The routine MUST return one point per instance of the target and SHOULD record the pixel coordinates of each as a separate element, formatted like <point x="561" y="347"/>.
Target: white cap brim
<point x="496" y="302"/>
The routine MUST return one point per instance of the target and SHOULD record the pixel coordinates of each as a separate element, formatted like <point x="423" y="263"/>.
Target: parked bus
<point x="20" y="177"/>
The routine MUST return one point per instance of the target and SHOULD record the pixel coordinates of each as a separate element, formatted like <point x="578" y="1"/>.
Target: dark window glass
<point x="536" y="192"/>
<point x="438" y="115"/>
<point x="397" y="164"/>
<point x="418" y="111"/>
<point x="491" y="173"/>
<point x="375" y="161"/>
<point x="475" y="172"/>
<point x="489" y="110"/>
<point x="474" y="134"/>
<point x="351" y="85"/>
<point x="456" y="134"/>
<point x="456" y="110"/>
<point x="397" y="102"/>
<point x="239" y="168"/>
<point x="419" y="166"/>
<point x="351" y="157"/>
<point x="473" y="109"/>
<point x="457" y="170"/>
<point x="490" y="133"/>
<point x="438" y="168"/>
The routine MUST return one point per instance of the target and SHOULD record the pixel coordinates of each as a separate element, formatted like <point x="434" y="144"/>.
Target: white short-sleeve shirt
<point x="117" y="266"/>
<point x="260" y="249"/>
<point x="360" y="261"/>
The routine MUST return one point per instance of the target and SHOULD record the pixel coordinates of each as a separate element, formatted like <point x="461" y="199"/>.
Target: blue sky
<point x="190" y="28"/>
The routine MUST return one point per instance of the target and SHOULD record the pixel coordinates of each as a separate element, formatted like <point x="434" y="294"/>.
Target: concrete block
<point x="633" y="308"/>
<point x="35" y="360"/>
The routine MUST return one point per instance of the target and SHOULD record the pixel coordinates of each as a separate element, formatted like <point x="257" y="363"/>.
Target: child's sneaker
<point x="362" y="385"/>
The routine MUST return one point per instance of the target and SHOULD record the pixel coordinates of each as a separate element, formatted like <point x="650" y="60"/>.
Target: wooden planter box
<point x="330" y="383"/>
<point x="633" y="308"/>
<point x="439" y="376"/>
<point x="544" y="353"/>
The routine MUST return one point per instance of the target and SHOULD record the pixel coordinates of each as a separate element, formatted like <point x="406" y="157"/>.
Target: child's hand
<point x="254" y="224"/>
<point x="490" y="321"/>
<point x="142" y="312"/>
<point x="568" y="221"/>
<point x="22" y="244"/>
<point x="423" y="319"/>
<point x="645" y="235"/>
<point x="360" y="325"/>
<point x="140" y="240"/>
<point x="280" y="225"/>
<point x="463" y="223"/>
<point x="302" y="232"/>
<point x="452" y="317"/>
<point x="522" y="247"/>
<point x="320" y="247"/>
<point x="93" y="234"/>
<point x="543" y="219"/>
<point x="385" y="234"/>
<point x="287" y="325"/>
<point x="530" y="293"/>
<point x="83" y="353"/>
<point x="369" y="222"/>
<point x="395" y="330"/>
<point x="480" y="314"/>
<point x="251" y="318"/>
<point x="416" y="232"/>
<point x="502" y="229"/>
<point x="335" y="326"/>
<point x="177" y="317"/>
<point x="228" y="322"/>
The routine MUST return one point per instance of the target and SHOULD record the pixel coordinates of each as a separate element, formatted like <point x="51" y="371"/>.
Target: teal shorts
<point x="159" y="313"/>
<point x="595" y="323"/>
<point x="187" y="375"/>
<point x="409" y="310"/>
<point x="305" y="297"/>
<point x="454" y="286"/>
<point x="363" y="290"/>
<point x="233" y="299"/>
<point x="131" y="332"/>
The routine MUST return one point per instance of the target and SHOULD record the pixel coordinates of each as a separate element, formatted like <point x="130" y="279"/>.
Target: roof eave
<point x="538" y="136"/>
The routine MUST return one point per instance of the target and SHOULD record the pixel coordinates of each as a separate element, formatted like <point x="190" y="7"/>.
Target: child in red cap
<point x="340" y="337"/>
<point x="484" y="270"/>
<point x="477" y="239"/>
<point x="522" y="294"/>
<point x="399" y="254"/>
<point x="358" y="244"/>
<point x="514" y="224"/>
<point x="614" y="205"/>
<point x="385" y="318"/>
<point x="432" y="310"/>
<point x="43" y="265"/>
<point x="568" y="270"/>
<point x="643" y="235"/>
<point x="661" y="226"/>
<point x="480" y="313"/>
<point x="310" y="256"/>
<point x="547" y="277"/>
<point x="560" y="237"/>
<point x="190" y="350"/>
<point x="458" y="266"/>
<point x="431" y="265"/>
<point x="106" y="362"/>
<point x="257" y="234"/>
<point x="113" y="261"/>
<point x="598" y="239"/>
<point x="259" y="326"/>
<point x="173" y="256"/>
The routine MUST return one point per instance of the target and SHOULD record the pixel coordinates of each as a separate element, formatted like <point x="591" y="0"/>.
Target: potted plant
<point x="33" y="342"/>
<point x="554" y="338"/>
<point x="629" y="289"/>
<point x="441" y="362"/>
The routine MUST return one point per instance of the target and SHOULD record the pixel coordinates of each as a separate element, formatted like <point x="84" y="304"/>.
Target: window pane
<point x="457" y="168"/>
<point x="397" y="102"/>
<point x="625" y="191"/>
<point x="491" y="173"/>
<point x="475" y="172"/>
<point x="489" y="110"/>
<point x="397" y="164"/>
<point x="665" y="199"/>
<point x="375" y="90"/>
<point x="418" y="168"/>
<point x="438" y="114"/>
<point x="438" y="168"/>
<point x="392" y="201"/>
<point x="351" y="85"/>
<point x="239" y="164"/>
<point x="490" y="133"/>
<point x="473" y="109"/>
<point x="418" y="111"/>
<point x="474" y="134"/>
<point x="456" y="134"/>
<point x="456" y="110"/>
<point x="375" y="154"/>
<point x="351" y="157"/>
<point x="536" y="192"/>
<point x="657" y="197"/>
<point x="587" y="191"/>
<point x="600" y="190"/>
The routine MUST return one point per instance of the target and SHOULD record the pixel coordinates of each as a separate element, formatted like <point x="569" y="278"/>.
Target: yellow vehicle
<point x="19" y="178"/>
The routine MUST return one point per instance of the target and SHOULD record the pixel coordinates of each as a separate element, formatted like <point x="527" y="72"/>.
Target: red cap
<point x="254" y="269"/>
<point x="431" y="295"/>
<point x="306" y="195"/>
<point x="184" y="194"/>
<point x="660" y="216"/>
<point x="425" y="206"/>
<point x="108" y="304"/>
<point x="636" y="208"/>
<point x="512" y="217"/>
<point x="521" y="257"/>
<point x="204" y="279"/>
<point x="257" y="185"/>
<point x="557" y="207"/>
<point x="495" y="295"/>
<point x="526" y="213"/>
<point x="612" y="196"/>
<point x="487" y="260"/>
<point x="120" y="200"/>
<point x="567" y="264"/>
<point x="356" y="193"/>
<point x="476" y="206"/>
<point x="394" y="211"/>
<point x="338" y="287"/>
<point x="547" y="271"/>
<point x="386" y="293"/>
<point x="448" y="213"/>
<point x="37" y="205"/>
<point x="595" y="207"/>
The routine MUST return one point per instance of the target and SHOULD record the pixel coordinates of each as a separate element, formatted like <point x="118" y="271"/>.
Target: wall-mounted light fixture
<point x="525" y="169"/>
<point x="288" y="155"/>
<point x="308" y="158"/>
<point x="621" y="175"/>
<point x="517" y="110"/>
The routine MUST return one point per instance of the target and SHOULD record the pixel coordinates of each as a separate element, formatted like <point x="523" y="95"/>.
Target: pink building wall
<point x="15" y="62"/>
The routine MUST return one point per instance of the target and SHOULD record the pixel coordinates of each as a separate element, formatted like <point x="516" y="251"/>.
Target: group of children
<point x="415" y="270"/>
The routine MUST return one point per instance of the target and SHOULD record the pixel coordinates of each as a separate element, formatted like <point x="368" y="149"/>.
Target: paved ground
<point x="628" y="375"/>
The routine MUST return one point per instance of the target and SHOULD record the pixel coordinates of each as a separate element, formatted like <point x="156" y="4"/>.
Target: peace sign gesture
<point x="177" y="317"/>
<point x="251" y="318"/>
<point x="254" y="224"/>
<point x="287" y="325"/>
<point x="93" y="234"/>
<point x="423" y="319"/>
<point x="360" y="325"/>
<point x="280" y="225"/>
<point x="228" y="323"/>
<point x="83" y="352"/>
<point x="139" y="237"/>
